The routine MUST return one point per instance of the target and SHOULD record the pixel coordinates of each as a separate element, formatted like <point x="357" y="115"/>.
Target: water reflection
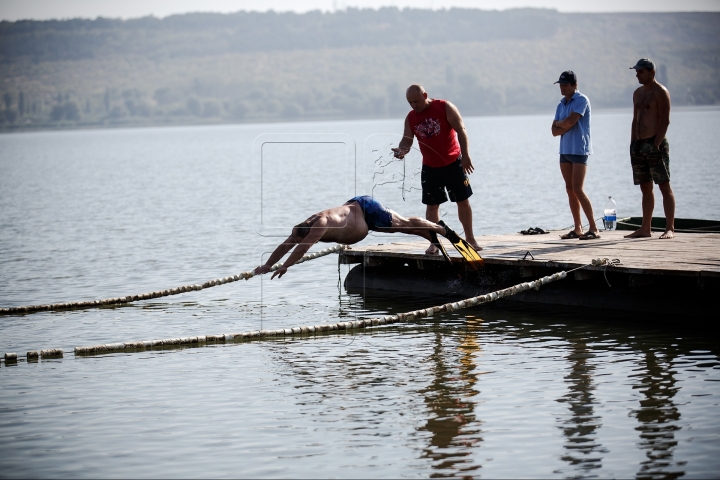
<point x="658" y="415"/>
<point x="582" y="450"/>
<point x="423" y="383"/>
<point x="454" y="429"/>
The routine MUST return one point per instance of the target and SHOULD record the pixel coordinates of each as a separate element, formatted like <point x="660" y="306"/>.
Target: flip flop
<point x="569" y="235"/>
<point x="589" y="236"/>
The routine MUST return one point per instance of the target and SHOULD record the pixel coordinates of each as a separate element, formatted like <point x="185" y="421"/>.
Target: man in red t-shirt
<point x="443" y="141"/>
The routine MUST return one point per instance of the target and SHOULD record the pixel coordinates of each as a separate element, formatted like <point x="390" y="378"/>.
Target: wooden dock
<point x="679" y="275"/>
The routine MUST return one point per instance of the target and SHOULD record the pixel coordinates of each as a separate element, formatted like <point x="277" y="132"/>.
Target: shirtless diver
<point x="347" y="224"/>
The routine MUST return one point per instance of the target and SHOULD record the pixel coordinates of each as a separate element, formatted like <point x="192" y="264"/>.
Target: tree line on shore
<point x="250" y="67"/>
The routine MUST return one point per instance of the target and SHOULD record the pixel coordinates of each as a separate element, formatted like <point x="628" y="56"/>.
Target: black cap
<point x="644" y="63"/>
<point x="568" y="76"/>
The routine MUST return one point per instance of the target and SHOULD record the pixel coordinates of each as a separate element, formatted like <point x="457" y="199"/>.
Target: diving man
<point x="348" y="224"/>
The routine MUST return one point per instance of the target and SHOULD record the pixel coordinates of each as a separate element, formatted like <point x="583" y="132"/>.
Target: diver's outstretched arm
<point x="316" y="233"/>
<point x="277" y="254"/>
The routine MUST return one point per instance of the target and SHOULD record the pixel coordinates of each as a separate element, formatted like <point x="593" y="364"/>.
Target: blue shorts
<point x="376" y="215"/>
<point x="568" y="158"/>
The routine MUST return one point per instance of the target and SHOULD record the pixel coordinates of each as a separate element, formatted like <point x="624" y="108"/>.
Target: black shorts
<point x="434" y="181"/>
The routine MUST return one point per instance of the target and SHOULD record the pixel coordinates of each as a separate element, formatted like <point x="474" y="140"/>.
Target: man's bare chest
<point x="647" y="103"/>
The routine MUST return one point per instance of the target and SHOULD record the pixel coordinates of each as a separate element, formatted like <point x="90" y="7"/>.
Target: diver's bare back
<point x="647" y="110"/>
<point x="345" y="224"/>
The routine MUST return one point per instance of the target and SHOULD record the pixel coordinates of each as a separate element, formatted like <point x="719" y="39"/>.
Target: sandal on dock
<point x="569" y="235"/>
<point x="533" y="231"/>
<point x="589" y="236"/>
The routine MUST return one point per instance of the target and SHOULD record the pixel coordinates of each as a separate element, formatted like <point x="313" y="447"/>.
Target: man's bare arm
<point x="406" y="142"/>
<point x="559" y="127"/>
<point x="316" y="232"/>
<point x="569" y="122"/>
<point x="456" y="122"/>
<point x="663" y="103"/>
<point x="277" y="254"/>
<point x="557" y="131"/>
<point x="633" y="133"/>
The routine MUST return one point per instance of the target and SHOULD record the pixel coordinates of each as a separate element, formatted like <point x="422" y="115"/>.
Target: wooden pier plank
<point x="686" y="254"/>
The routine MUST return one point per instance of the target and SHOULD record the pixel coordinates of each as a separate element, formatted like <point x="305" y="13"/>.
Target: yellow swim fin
<point x="464" y="248"/>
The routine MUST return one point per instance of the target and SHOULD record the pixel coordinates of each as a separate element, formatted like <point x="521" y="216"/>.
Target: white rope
<point x="305" y="330"/>
<point x="159" y="293"/>
<point x="285" y="332"/>
<point x="341" y="326"/>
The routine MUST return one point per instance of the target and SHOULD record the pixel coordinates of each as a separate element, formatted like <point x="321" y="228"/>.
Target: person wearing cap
<point x="649" y="149"/>
<point x="572" y="124"/>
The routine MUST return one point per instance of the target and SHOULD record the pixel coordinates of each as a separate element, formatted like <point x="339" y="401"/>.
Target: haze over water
<point x="497" y="391"/>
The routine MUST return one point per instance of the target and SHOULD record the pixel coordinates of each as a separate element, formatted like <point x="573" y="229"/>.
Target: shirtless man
<point x="649" y="149"/>
<point x="346" y="224"/>
<point x="443" y="142"/>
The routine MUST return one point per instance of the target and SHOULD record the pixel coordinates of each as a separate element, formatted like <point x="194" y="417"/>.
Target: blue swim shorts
<point x="376" y="215"/>
<point x="568" y="158"/>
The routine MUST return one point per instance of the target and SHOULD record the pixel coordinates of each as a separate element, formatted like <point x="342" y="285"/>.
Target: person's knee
<point x="578" y="191"/>
<point x="665" y="188"/>
<point x="464" y="204"/>
<point x="646" y="188"/>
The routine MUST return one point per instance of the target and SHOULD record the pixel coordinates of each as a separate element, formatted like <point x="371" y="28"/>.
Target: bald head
<point x="415" y="89"/>
<point x="417" y="98"/>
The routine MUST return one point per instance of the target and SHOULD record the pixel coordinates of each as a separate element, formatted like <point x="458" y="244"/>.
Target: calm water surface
<point x="496" y="391"/>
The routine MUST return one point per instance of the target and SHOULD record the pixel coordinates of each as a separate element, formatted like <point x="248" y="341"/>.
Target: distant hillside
<point x="349" y="64"/>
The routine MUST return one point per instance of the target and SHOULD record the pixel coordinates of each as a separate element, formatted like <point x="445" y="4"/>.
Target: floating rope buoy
<point x="304" y="330"/>
<point x="159" y="293"/>
<point x="341" y="326"/>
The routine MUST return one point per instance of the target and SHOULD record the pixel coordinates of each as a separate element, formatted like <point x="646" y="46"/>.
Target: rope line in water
<point x="305" y="330"/>
<point x="297" y="331"/>
<point x="341" y="326"/>
<point x="159" y="293"/>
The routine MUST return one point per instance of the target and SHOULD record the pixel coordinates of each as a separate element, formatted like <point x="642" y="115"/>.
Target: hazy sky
<point x="46" y="9"/>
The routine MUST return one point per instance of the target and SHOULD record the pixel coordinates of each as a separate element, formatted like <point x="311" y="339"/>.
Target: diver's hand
<point x="262" y="269"/>
<point x="400" y="152"/>
<point x="279" y="272"/>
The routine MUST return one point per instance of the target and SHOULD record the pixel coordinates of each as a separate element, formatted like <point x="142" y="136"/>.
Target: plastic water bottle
<point x="610" y="217"/>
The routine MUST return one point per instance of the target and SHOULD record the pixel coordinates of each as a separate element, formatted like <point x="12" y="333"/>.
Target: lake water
<point x="495" y="391"/>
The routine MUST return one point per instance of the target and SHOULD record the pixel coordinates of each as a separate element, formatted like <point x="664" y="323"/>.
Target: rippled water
<point x="495" y="391"/>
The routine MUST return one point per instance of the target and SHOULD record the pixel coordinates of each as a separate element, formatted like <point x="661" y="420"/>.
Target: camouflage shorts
<point x="650" y="163"/>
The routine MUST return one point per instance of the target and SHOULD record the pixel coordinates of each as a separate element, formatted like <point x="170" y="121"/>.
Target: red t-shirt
<point x="437" y="139"/>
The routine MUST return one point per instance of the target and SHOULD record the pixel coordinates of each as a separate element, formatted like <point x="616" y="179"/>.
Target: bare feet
<point x="668" y="234"/>
<point x="473" y="243"/>
<point x="639" y="234"/>
<point x="432" y="250"/>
